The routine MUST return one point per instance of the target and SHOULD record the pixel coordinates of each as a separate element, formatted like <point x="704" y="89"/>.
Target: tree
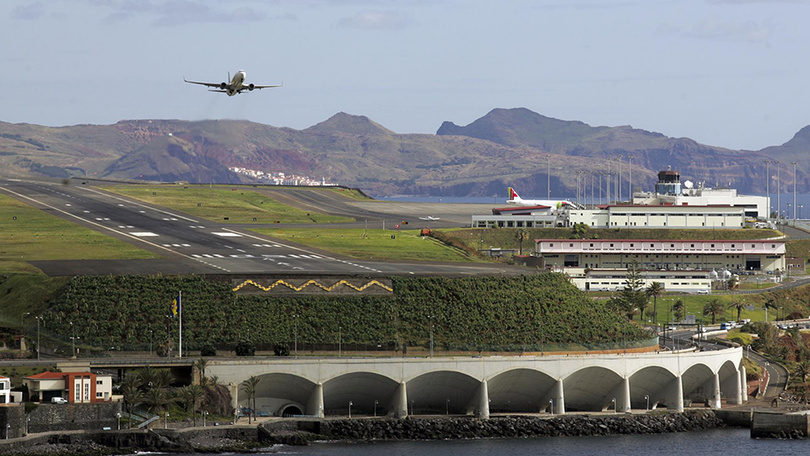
<point x="770" y="303"/>
<point x="245" y="348"/>
<point x="803" y="370"/>
<point x="739" y="305"/>
<point x="632" y="298"/>
<point x="156" y="400"/>
<point x="249" y="386"/>
<point x="208" y="350"/>
<point x="655" y="290"/>
<point x="192" y="397"/>
<point x="132" y="394"/>
<point x="163" y="378"/>
<point x="200" y="365"/>
<point x="678" y="309"/>
<point x="521" y="235"/>
<point x="146" y="376"/>
<point x="579" y="231"/>
<point x="713" y="308"/>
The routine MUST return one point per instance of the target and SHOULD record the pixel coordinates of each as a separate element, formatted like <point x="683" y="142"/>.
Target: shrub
<point x="245" y="348"/>
<point x="208" y="350"/>
<point x="281" y="350"/>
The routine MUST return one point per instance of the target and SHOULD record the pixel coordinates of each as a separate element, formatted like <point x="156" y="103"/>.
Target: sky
<point x="727" y="73"/>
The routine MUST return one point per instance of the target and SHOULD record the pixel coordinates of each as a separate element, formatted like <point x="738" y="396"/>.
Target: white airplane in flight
<point x="515" y="199"/>
<point x="430" y="218"/>
<point x="236" y="86"/>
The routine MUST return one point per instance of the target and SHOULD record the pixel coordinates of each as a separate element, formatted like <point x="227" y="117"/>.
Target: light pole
<point x="614" y="405"/>
<point x="350" y="409"/>
<point x="166" y="421"/>
<point x="295" y="337"/>
<point x="794" y="192"/>
<point x="340" y="341"/>
<point x="548" y="176"/>
<point x="778" y="203"/>
<point x="39" y="319"/>
<point x="768" y="187"/>
<point x="647" y="398"/>
<point x="551" y="406"/>
<point x="375" y="407"/>
<point x="8" y="429"/>
<point x="22" y="329"/>
<point x="118" y="416"/>
<point x="150" y="343"/>
<point x="447" y="407"/>
<point x="73" y="339"/>
<point x="630" y="170"/>
<point x="204" y="414"/>
<point x="430" y="323"/>
<point x="412" y="409"/>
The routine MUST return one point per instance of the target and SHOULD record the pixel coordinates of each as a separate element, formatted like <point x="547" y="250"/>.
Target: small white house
<point x="5" y="390"/>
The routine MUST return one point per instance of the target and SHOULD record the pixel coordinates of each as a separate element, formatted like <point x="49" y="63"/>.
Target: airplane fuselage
<point x="236" y="83"/>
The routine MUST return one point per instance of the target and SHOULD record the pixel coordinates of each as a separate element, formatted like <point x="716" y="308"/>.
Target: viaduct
<point x="483" y="385"/>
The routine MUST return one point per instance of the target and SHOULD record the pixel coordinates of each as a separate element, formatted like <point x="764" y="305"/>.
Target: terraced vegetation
<point x="491" y="313"/>
<point x="37" y="235"/>
<point x="506" y="238"/>
<point x="375" y="245"/>
<point x="224" y="204"/>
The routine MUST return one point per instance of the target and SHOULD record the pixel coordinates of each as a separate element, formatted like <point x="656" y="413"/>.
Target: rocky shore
<point x="301" y="432"/>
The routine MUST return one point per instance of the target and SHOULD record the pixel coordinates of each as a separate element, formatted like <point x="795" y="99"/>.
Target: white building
<point x="5" y="390"/>
<point x="659" y="216"/>
<point x="745" y="255"/>
<point x="669" y="190"/>
<point x="614" y="279"/>
<point x="520" y="217"/>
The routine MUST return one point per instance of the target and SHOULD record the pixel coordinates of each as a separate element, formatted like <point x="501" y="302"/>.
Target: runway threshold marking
<point x="138" y="204"/>
<point x="158" y="246"/>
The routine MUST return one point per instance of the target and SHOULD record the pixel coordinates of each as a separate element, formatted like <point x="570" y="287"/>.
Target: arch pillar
<point x="482" y="402"/>
<point x="623" y="396"/>
<point x="401" y="401"/>
<point x="558" y="396"/>
<point x="715" y="397"/>
<point x="735" y="394"/>
<point x="743" y="384"/>
<point x="315" y="402"/>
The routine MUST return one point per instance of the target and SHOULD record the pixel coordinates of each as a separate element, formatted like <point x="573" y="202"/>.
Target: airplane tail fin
<point x="513" y="194"/>
<point x="229" y="77"/>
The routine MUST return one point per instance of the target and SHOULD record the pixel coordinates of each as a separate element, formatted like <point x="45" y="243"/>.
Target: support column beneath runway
<point x="482" y="408"/>
<point x="744" y="384"/>
<point x="558" y="398"/>
<point x="679" y="395"/>
<point x="623" y="399"/>
<point x="715" y="398"/>
<point x="401" y="401"/>
<point x="315" y="402"/>
<point x="735" y="395"/>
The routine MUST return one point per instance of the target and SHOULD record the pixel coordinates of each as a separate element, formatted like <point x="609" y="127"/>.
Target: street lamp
<point x="647" y="398"/>
<point x="204" y="414"/>
<point x="166" y="421"/>
<point x="375" y="407"/>
<point x="412" y="409"/>
<point x="614" y="405"/>
<point x="150" y="343"/>
<point x="340" y="342"/>
<point x="118" y="416"/>
<point x="447" y="407"/>
<point x="295" y="339"/>
<point x="21" y="321"/>
<point x="39" y="319"/>
<point x="8" y="429"/>
<point x="73" y="338"/>
<point x="551" y="406"/>
<point x="430" y="322"/>
<point x="350" y="409"/>
<point x="794" y="192"/>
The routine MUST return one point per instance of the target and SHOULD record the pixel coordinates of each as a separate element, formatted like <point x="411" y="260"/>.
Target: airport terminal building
<point x="699" y="255"/>
<point x="659" y="216"/>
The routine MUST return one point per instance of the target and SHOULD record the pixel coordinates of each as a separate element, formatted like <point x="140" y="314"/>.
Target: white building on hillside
<point x="659" y="216"/>
<point x="5" y="390"/>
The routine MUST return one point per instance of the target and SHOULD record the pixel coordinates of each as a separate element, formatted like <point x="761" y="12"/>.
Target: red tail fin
<point x="513" y="194"/>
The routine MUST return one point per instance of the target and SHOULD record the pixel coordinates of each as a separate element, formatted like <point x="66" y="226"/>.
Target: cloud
<point x="183" y="12"/>
<point x="706" y="29"/>
<point x="745" y="2"/>
<point x="29" y="12"/>
<point x="582" y="5"/>
<point x="376" y="20"/>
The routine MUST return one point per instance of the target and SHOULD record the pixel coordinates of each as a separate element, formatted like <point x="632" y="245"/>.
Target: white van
<point x="58" y="400"/>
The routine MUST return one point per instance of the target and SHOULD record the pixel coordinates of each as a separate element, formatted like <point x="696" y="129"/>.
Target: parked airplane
<point x="515" y="199"/>
<point x="430" y="218"/>
<point x="236" y="86"/>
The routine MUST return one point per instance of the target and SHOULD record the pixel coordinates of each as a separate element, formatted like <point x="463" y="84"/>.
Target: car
<point x="58" y="400"/>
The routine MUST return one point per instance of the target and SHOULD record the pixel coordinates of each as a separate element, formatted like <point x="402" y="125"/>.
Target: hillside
<point x="504" y="147"/>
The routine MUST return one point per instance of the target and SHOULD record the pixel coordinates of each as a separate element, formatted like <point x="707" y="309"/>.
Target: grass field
<point x="21" y="293"/>
<point x="695" y="303"/>
<point x="378" y="244"/>
<point x="505" y="237"/>
<point x="37" y="235"/>
<point x="219" y="203"/>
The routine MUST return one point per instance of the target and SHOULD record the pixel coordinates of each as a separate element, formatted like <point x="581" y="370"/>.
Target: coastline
<point x="246" y="439"/>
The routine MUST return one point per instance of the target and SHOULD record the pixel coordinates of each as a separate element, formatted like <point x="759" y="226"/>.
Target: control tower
<point x="669" y="182"/>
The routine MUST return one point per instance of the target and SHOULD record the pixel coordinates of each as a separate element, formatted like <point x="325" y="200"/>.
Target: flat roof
<point x="519" y="208"/>
<point x="605" y="206"/>
<point x="750" y="241"/>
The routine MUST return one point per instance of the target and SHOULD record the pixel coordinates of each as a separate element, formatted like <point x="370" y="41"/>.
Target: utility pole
<point x="548" y="176"/>
<point x="630" y="166"/>
<point x="600" y="187"/>
<point x="619" y="181"/>
<point x="778" y="203"/>
<point x="794" y="193"/>
<point x="39" y="318"/>
<point x="607" y="182"/>
<point x="768" y="187"/>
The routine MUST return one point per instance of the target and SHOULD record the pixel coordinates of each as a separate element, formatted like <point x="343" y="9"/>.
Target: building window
<point x="753" y="246"/>
<point x="551" y="245"/>
<point x="98" y="382"/>
<point x="672" y="246"/>
<point x="712" y="245"/>
<point x="99" y="394"/>
<point x="611" y="245"/>
<point x="87" y="392"/>
<point x="570" y="245"/>
<point x="693" y="246"/>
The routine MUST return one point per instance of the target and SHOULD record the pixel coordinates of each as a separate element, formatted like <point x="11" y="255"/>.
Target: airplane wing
<point x="219" y="91"/>
<point x="268" y="86"/>
<point x="207" y="84"/>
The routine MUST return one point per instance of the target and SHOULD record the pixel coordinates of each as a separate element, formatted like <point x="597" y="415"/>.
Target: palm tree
<point x="803" y="369"/>
<point x="713" y="308"/>
<point x="213" y="380"/>
<point x="249" y="386"/>
<point x="655" y="290"/>
<point x="132" y="395"/>
<point x="678" y="309"/>
<point x="192" y="396"/>
<point x="770" y="303"/>
<point x="200" y="365"/>
<point x="146" y="376"/>
<point x="156" y="400"/>
<point x="163" y="378"/>
<point x="738" y="304"/>
<point x="521" y="235"/>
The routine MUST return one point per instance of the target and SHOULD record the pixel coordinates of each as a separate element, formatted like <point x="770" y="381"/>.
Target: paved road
<point x="778" y="374"/>
<point x="193" y="245"/>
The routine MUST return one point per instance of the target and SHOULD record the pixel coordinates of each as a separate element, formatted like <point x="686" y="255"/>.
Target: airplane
<point x="236" y="86"/>
<point x="430" y="218"/>
<point x="515" y="199"/>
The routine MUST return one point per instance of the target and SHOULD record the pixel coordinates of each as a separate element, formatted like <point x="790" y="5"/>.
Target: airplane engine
<point x="222" y="85"/>
<point x="251" y="86"/>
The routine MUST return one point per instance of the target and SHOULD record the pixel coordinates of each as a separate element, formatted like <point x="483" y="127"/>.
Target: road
<point x="193" y="245"/>
<point x="778" y="374"/>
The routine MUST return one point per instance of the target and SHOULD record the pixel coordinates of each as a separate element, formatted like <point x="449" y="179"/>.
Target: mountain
<point x="504" y="147"/>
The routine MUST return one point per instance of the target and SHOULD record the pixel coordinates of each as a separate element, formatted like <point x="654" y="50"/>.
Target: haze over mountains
<point x="504" y="147"/>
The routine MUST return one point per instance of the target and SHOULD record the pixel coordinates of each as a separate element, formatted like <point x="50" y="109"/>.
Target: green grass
<point x="219" y="202"/>
<point x="378" y="245"/>
<point x="505" y="237"/>
<point x="37" y="235"/>
<point x="21" y="293"/>
<point x="695" y="303"/>
<point x="17" y="373"/>
<point x="799" y="248"/>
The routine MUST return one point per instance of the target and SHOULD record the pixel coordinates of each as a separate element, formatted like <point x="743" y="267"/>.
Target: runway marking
<point x="86" y="212"/>
<point x="169" y="219"/>
<point x="126" y="226"/>
<point x="138" y="204"/>
<point x="144" y="234"/>
<point x="240" y="250"/>
<point x="67" y="204"/>
<point x="196" y="226"/>
<point x="158" y="246"/>
<point x="266" y="245"/>
<point x="227" y="234"/>
<point x="104" y="218"/>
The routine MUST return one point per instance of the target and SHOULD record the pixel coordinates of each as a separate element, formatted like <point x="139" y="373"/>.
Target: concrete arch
<point x="698" y="384"/>
<point x="361" y="389"/>
<point x="276" y="391"/>
<point x="290" y="410"/>
<point x="730" y="386"/>
<point x="591" y="388"/>
<point x="658" y="384"/>
<point x="430" y="392"/>
<point x="520" y="390"/>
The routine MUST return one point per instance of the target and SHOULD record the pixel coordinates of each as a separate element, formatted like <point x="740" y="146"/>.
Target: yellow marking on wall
<point x="312" y="282"/>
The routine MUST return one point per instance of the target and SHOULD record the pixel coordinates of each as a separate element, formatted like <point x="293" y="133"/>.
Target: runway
<point x="192" y="245"/>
